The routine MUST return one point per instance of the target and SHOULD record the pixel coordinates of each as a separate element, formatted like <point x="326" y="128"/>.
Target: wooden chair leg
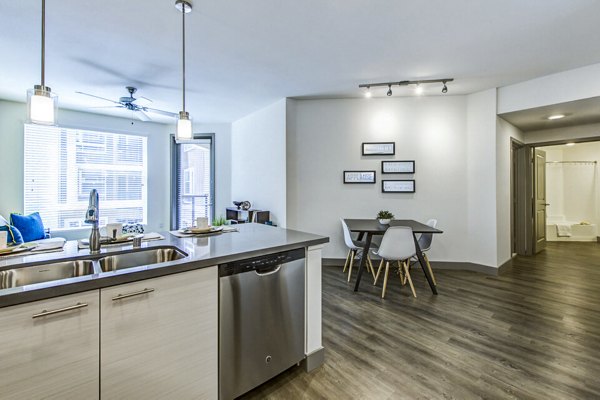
<point x="385" y="278"/>
<point x="347" y="259"/>
<point x="402" y="274"/>
<point x="378" y="271"/>
<point x="429" y="268"/>
<point x="407" y="274"/>
<point x="370" y="263"/>
<point x="351" y="263"/>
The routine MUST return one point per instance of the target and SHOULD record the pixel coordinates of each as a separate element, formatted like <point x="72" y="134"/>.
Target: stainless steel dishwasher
<point x="261" y="320"/>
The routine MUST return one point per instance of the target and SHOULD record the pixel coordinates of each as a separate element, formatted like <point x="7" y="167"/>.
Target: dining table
<point x="372" y="227"/>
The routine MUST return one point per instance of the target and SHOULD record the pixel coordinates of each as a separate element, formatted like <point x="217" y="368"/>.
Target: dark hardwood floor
<point x="532" y="333"/>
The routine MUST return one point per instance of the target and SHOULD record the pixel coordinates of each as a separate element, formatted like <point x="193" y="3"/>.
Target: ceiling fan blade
<point x="98" y="97"/>
<point x="107" y="107"/>
<point x="142" y="116"/>
<point x="161" y="112"/>
<point x="145" y="98"/>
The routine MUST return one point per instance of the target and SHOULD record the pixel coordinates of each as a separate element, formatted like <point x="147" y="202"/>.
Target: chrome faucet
<point x="92" y="217"/>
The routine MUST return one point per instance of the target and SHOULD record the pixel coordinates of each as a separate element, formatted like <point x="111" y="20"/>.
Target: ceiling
<point x="579" y="112"/>
<point x="243" y="55"/>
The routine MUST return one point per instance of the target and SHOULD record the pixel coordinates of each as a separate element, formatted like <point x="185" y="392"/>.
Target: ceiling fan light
<point x="183" y="130"/>
<point x="42" y="105"/>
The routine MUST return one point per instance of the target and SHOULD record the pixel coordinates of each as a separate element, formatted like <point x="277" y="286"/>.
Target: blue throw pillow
<point x="13" y="236"/>
<point x="30" y="226"/>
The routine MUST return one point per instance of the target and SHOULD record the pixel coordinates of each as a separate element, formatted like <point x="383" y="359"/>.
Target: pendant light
<point x="42" y="104"/>
<point x="184" y="123"/>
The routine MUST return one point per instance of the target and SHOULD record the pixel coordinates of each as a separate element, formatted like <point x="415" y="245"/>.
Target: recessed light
<point x="556" y="116"/>
<point x="570" y="144"/>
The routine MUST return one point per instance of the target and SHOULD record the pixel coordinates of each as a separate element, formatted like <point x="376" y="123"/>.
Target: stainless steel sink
<point x="139" y="258"/>
<point x="45" y="273"/>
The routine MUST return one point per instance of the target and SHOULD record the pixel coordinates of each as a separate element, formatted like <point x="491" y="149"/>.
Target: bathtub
<point x="579" y="233"/>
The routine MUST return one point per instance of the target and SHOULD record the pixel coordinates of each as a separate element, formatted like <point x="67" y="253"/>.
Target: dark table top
<point x="373" y="226"/>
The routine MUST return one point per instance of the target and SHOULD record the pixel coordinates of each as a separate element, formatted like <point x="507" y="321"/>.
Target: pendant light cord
<point x="43" y="40"/>
<point x="183" y="49"/>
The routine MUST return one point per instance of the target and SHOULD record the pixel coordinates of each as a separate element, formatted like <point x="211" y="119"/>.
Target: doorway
<point x="192" y="180"/>
<point x="555" y="193"/>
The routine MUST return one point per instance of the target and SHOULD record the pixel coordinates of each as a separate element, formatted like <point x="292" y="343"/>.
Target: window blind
<point x="194" y="198"/>
<point x="62" y="165"/>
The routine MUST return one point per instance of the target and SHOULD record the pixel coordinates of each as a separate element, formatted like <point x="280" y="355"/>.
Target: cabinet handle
<point x="126" y="295"/>
<point x="45" y="312"/>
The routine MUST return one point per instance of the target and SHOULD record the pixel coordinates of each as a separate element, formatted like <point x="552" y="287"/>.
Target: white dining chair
<point x="355" y="250"/>
<point x="397" y="245"/>
<point x="425" y="241"/>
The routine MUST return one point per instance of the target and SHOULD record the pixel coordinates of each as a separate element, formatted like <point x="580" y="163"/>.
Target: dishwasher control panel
<point x="262" y="263"/>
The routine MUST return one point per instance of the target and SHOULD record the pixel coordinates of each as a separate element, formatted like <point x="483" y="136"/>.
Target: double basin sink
<point x="47" y="272"/>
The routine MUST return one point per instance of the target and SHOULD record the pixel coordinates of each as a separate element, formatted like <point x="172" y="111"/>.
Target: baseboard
<point x="507" y="266"/>
<point x="447" y="265"/>
<point x="314" y="360"/>
<point x="465" y="266"/>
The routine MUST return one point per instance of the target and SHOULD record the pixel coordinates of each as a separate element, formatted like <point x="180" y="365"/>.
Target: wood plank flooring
<point x="532" y="333"/>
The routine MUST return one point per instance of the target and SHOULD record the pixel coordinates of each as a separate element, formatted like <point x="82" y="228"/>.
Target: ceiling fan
<point x="128" y="102"/>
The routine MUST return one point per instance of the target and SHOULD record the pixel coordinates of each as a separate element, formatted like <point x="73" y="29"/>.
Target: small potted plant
<point x="384" y="217"/>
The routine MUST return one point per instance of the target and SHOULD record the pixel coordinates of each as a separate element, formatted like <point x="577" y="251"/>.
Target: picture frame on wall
<point x="398" y="167"/>
<point x="379" y="148"/>
<point x="398" y="186"/>
<point x="359" y="176"/>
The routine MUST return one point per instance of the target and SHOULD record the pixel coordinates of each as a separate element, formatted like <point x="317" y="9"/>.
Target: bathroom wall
<point x="573" y="189"/>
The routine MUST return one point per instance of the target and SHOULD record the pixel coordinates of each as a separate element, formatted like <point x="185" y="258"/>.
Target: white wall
<point x="504" y="133"/>
<point x="324" y="138"/>
<point x="575" y="84"/>
<point x="481" y="177"/>
<point x="259" y="160"/>
<point x="12" y="117"/>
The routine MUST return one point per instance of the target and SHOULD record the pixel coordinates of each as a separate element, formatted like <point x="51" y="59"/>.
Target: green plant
<point x="384" y="214"/>
<point x="219" y="221"/>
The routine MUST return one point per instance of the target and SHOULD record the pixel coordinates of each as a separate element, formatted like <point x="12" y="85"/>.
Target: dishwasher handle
<point x="269" y="271"/>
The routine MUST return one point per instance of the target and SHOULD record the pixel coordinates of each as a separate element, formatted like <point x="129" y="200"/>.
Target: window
<point x="62" y="165"/>
<point x="193" y="175"/>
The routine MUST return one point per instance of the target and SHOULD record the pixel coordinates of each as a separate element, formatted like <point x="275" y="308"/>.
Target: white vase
<point x="384" y="221"/>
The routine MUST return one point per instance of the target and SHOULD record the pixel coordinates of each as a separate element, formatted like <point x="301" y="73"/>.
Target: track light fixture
<point x="418" y="90"/>
<point x="368" y="92"/>
<point x="445" y="88"/>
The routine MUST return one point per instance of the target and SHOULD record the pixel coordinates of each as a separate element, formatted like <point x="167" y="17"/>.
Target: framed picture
<point x="398" y="167"/>
<point x="359" y="176"/>
<point x="398" y="186"/>
<point x="379" y="148"/>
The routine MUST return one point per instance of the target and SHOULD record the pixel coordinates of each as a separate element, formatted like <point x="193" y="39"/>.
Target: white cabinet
<point x="49" y="349"/>
<point x="159" y="337"/>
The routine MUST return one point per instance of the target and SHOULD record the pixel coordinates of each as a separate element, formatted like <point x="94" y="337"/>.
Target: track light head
<point x="389" y="92"/>
<point x="368" y="93"/>
<point x="419" y="89"/>
<point x="444" y="88"/>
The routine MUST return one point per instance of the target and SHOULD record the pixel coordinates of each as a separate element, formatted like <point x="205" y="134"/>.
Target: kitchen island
<point x="148" y="331"/>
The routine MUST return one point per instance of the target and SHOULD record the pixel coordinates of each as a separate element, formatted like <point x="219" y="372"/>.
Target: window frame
<point x="109" y="130"/>
<point x="174" y="178"/>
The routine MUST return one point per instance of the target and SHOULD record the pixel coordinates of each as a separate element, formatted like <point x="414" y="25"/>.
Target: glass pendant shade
<point x="42" y="105"/>
<point x="184" y="127"/>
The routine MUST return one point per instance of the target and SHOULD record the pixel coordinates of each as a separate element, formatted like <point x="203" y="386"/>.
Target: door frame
<point x="175" y="162"/>
<point x="522" y="186"/>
